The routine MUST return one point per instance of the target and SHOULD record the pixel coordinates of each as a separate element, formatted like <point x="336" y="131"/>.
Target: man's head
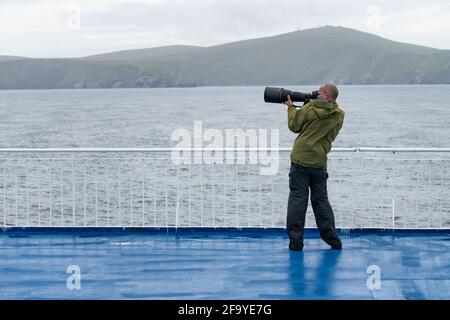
<point x="328" y="91"/>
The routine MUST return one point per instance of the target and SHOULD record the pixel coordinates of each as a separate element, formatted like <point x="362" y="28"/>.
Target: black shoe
<point x="337" y="246"/>
<point x="295" y="245"/>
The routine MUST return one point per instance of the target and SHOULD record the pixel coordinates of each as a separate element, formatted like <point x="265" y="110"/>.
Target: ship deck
<point x="222" y="264"/>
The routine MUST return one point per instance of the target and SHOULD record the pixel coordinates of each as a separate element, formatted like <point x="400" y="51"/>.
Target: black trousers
<point x="301" y="179"/>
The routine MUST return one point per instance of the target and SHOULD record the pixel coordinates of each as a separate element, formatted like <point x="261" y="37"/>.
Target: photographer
<point x="317" y="123"/>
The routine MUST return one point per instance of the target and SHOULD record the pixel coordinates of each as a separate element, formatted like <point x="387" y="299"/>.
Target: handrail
<point x="403" y="149"/>
<point x="163" y="150"/>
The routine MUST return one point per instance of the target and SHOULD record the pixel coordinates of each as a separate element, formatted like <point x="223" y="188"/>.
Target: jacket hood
<point x="324" y="108"/>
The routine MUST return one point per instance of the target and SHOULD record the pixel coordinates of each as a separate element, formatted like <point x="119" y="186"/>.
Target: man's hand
<point x="289" y="102"/>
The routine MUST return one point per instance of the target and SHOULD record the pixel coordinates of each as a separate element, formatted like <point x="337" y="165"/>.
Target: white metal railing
<point x="141" y="187"/>
<point x="165" y="150"/>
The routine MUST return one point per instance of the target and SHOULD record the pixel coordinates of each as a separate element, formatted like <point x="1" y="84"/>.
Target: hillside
<point x="312" y="56"/>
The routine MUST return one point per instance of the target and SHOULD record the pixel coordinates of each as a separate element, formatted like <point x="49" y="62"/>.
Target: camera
<point x="280" y="95"/>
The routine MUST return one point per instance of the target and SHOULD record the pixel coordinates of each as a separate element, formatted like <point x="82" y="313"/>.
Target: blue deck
<point x="221" y="265"/>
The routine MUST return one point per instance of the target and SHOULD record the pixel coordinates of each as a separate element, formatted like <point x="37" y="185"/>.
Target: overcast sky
<point x="59" y="28"/>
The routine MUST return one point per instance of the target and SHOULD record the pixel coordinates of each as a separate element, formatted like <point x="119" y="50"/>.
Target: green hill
<point x="9" y="58"/>
<point x="312" y="56"/>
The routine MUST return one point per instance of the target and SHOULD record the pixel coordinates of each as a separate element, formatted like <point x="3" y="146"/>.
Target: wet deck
<point x="221" y="265"/>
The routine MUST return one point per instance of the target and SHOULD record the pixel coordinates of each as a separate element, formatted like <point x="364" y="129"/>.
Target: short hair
<point x="331" y="89"/>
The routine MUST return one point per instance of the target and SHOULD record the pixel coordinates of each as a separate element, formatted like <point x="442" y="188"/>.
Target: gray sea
<point x="366" y="190"/>
<point x="376" y="116"/>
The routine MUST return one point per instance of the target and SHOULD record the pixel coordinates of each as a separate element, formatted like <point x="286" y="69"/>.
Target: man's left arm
<point x="334" y="133"/>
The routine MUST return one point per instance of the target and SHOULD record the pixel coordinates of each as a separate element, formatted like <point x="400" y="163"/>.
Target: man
<point x="317" y="123"/>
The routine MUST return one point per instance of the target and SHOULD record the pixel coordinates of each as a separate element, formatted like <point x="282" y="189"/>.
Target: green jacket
<point x="318" y="123"/>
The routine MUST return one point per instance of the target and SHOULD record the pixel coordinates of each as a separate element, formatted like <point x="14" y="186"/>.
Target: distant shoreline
<point x="249" y="86"/>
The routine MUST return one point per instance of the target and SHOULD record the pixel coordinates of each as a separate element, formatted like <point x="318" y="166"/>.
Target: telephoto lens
<point x="280" y="95"/>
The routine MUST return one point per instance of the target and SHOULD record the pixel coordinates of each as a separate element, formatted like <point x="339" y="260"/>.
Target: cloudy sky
<point x="59" y="28"/>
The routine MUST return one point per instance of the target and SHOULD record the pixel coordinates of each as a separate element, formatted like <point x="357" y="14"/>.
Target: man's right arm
<point x="296" y="118"/>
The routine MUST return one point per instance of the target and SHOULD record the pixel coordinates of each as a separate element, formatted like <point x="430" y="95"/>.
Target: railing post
<point x="62" y="193"/>
<point x="201" y="191"/>
<point x="189" y="191"/>
<point x="237" y="197"/>
<point x="177" y="195"/>
<point x="143" y="192"/>
<point x="154" y="197"/>
<point x="16" y="191"/>
<point x="4" y="195"/>
<point x="225" y="192"/>
<point x="442" y="195"/>
<point x="429" y="193"/>
<point x="84" y="192"/>
<point x="39" y="195"/>
<point x="107" y="192"/>
<point x="131" y="193"/>
<point x="73" y="193"/>
<point x="213" y="194"/>
<point x="26" y="194"/>
<point x="167" y="195"/>
<point x="96" y="193"/>
<point x="417" y="194"/>
<point x="50" y="173"/>
<point x="119" y="175"/>
<point x="260" y="198"/>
